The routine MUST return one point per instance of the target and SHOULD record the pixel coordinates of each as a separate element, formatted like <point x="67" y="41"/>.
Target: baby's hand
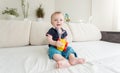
<point x="59" y="44"/>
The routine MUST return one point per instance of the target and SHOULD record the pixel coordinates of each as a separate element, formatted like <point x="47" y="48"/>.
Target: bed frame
<point x="111" y="36"/>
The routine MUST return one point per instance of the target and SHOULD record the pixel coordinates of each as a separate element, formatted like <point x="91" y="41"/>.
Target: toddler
<point x="63" y="58"/>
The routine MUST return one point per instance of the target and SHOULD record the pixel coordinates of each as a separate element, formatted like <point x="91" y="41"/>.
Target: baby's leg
<point x="61" y="61"/>
<point x="73" y="60"/>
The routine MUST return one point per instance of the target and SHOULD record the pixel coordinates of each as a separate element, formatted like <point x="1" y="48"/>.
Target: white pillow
<point x="39" y="30"/>
<point x="14" y="33"/>
<point x="84" y="32"/>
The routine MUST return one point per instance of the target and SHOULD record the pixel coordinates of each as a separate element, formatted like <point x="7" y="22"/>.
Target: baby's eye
<point x="55" y="20"/>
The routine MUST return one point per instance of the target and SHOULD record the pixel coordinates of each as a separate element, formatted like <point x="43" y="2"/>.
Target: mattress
<point x="34" y="59"/>
<point x="107" y="65"/>
<point x="94" y="50"/>
<point x="104" y="56"/>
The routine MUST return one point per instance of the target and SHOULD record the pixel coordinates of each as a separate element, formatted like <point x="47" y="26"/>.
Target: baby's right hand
<point x="59" y="44"/>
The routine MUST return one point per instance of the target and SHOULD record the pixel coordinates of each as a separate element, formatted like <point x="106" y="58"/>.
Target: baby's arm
<point x="52" y="42"/>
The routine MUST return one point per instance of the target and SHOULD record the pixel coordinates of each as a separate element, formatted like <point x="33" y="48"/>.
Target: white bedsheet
<point x="95" y="50"/>
<point x="12" y="60"/>
<point x="34" y="59"/>
<point x="107" y="65"/>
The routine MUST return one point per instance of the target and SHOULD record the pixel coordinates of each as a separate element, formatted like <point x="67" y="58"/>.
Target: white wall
<point x="116" y="15"/>
<point x="102" y="12"/>
<point x="77" y="9"/>
<point x="48" y="5"/>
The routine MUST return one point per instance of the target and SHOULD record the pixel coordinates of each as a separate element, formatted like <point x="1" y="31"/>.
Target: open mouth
<point x="58" y="24"/>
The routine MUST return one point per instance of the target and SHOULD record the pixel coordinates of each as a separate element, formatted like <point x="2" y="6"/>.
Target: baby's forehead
<point x="57" y="15"/>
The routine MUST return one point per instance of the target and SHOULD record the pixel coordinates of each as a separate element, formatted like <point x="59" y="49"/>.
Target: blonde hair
<point x="55" y="14"/>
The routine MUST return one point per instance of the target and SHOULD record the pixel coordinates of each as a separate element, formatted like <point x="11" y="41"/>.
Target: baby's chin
<point x="58" y="27"/>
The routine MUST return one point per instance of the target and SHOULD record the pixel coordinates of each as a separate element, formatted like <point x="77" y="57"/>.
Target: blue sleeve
<point x="50" y="32"/>
<point x="64" y="34"/>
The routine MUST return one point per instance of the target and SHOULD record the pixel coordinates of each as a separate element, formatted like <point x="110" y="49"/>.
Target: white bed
<point x="101" y="57"/>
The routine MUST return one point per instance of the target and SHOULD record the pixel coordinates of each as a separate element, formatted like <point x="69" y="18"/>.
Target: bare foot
<point x="77" y="61"/>
<point x="63" y="64"/>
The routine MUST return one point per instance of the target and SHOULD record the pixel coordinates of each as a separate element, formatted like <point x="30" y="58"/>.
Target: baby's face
<point x="57" y="20"/>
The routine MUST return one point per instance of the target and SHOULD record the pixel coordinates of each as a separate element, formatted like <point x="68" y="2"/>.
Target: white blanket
<point x="108" y="65"/>
<point x="34" y="59"/>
